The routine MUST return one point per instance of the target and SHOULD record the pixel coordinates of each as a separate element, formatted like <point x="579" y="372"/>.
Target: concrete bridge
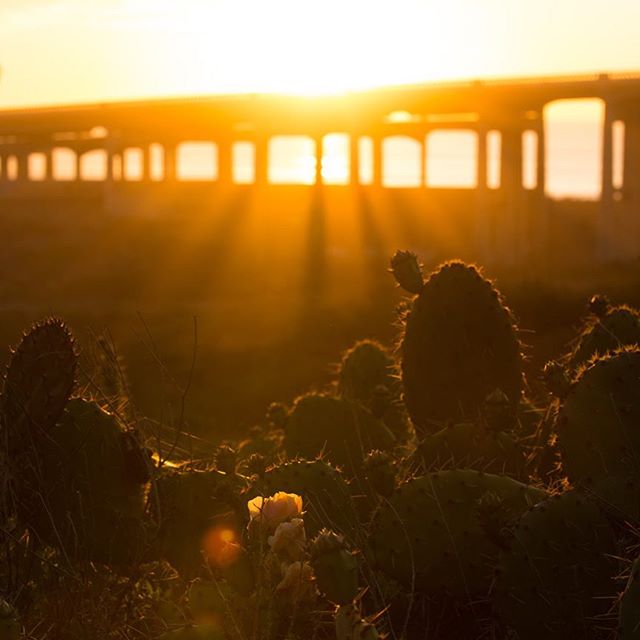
<point x="132" y="149"/>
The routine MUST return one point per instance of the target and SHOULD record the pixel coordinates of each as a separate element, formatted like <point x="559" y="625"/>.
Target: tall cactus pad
<point x="629" y="618"/>
<point x="325" y="494"/>
<point x="441" y="533"/>
<point x="339" y="429"/>
<point x="364" y="367"/>
<point x="599" y="431"/>
<point x="78" y="493"/>
<point x="618" y="327"/>
<point x="39" y="381"/>
<point x="460" y="344"/>
<point x="557" y="577"/>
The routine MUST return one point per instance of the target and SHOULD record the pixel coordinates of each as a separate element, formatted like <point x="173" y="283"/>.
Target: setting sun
<point x="133" y="48"/>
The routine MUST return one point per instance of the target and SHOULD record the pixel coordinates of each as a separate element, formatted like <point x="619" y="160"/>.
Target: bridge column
<point x="262" y="160"/>
<point x="22" y="161"/>
<point x="376" y="161"/>
<point x="482" y="212"/>
<point x="146" y="162"/>
<point x="225" y="161"/>
<point x="318" y="140"/>
<point x="536" y="215"/>
<point x="541" y="166"/>
<point x="48" y="164"/>
<point x="354" y="159"/>
<point x="632" y="177"/>
<point x="510" y="243"/>
<point x="422" y="141"/>
<point x="169" y="157"/>
<point x="79" y="155"/>
<point x="605" y="227"/>
<point x="481" y="163"/>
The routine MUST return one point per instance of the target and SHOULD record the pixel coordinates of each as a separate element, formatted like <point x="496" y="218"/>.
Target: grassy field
<point x="219" y="327"/>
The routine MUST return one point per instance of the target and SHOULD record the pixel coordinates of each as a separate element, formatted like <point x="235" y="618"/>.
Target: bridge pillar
<point x="22" y="165"/>
<point x="262" y="160"/>
<point x="146" y="162"/>
<point x="631" y="178"/>
<point x="541" y="166"/>
<point x="482" y="211"/>
<point x="225" y="162"/>
<point x="48" y="164"/>
<point x="169" y="157"/>
<point x="319" y="149"/>
<point x="605" y="226"/>
<point x="510" y="241"/>
<point x="78" y="160"/>
<point x="354" y="159"/>
<point x="376" y="161"/>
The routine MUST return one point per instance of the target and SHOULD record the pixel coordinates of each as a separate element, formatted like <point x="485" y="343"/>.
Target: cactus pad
<point x="557" y="577"/>
<point x="436" y="534"/>
<point x="460" y="344"/>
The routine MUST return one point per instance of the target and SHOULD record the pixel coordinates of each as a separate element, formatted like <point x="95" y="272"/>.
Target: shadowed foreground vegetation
<point x="455" y="486"/>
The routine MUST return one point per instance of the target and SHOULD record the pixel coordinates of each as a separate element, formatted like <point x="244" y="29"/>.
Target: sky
<point x="66" y="51"/>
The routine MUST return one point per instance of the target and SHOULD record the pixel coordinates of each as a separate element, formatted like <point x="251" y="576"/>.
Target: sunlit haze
<point x="61" y="51"/>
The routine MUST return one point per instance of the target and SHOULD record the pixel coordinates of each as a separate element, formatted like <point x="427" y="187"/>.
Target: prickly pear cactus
<point x="473" y="447"/>
<point x="460" y="343"/>
<point x="325" y="494"/>
<point x="629" y="616"/>
<point x="598" y="432"/>
<point x="186" y="505"/>
<point x="365" y="366"/>
<point x="369" y="377"/>
<point x="556" y="579"/>
<point x="38" y="383"/>
<point x="441" y="533"/>
<point x="335" y="567"/>
<point x="341" y="430"/>
<point x="609" y="330"/>
<point x="79" y="493"/>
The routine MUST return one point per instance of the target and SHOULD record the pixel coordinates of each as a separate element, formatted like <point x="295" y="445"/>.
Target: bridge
<point x="508" y="221"/>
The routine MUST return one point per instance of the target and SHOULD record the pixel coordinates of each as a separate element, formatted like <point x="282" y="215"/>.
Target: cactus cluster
<point x="421" y="495"/>
<point x="435" y="535"/>
<point x="326" y="494"/>
<point x="336" y="428"/>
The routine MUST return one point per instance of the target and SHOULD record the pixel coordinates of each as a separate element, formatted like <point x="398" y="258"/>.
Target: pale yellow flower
<point x="270" y="512"/>
<point x="289" y="539"/>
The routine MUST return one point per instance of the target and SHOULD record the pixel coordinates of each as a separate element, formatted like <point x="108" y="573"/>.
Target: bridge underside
<point x="508" y="225"/>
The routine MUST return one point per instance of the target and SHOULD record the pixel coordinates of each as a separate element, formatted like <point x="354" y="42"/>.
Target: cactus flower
<point x="270" y="512"/>
<point x="289" y="539"/>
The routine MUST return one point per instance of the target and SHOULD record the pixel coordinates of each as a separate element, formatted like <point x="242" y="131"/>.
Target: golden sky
<point x="61" y="51"/>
